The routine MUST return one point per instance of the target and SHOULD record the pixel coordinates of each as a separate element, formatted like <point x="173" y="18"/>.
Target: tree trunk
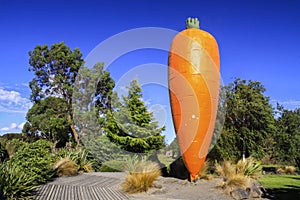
<point x="74" y="134"/>
<point x="73" y="130"/>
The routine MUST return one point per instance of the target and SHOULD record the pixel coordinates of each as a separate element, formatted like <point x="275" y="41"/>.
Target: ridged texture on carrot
<point x="194" y="81"/>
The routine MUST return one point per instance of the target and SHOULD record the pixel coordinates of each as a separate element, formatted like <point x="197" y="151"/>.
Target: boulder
<point x="253" y="191"/>
<point x="239" y="194"/>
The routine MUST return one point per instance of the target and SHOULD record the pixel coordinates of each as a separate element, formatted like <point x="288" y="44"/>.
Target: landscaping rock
<point x="239" y="194"/>
<point x="257" y="190"/>
<point x="253" y="191"/>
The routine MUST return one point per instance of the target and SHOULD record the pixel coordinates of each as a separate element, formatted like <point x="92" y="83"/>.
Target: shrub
<point x="27" y="168"/>
<point x="81" y="157"/>
<point x="3" y="154"/>
<point x="287" y="170"/>
<point x="12" y="146"/>
<point x="112" y="166"/>
<point x="141" y="175"/>
<point x="239" y="175"/>
<point x="84" y="161"/>
<point x="15" y="182"/>
<point x="249" y="168"/>
<point x="132" y="163"/>
<point x="36" y="160"/>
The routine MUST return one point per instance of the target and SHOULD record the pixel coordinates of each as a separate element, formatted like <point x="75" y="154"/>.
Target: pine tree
<point x="249" y="122"/>
<point x="131" y="126"/>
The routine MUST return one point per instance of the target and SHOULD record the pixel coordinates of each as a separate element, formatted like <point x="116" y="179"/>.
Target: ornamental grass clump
<point x="249" y="168"/>
<point x="287" y="170"/>
<point x="141" y="175"/>
<point x="15" y="182"/>
<point x="239" y="175"/>
<point x="81" y="158"/>
<point x="203" y="174"/>
<point x="225" y="169"/>
<point x="65" y="167"/>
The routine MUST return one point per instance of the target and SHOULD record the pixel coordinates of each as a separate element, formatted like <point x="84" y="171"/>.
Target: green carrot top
<point x="192" y="23"/>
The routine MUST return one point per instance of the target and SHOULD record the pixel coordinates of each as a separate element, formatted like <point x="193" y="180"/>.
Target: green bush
<point x="12" y="146"/>
<point x="36" y="160"/>
<point x="249" y="168"/>
<point x="15" y="182"/>
<point x="3" y="154"/>
<point x="29" y="166"/>
<point x="112" y="166"/>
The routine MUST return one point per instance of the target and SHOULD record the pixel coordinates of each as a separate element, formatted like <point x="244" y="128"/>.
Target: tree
<point x="131" y="126"/>
<point x="49" y="119"/>
<point x="92" y="100"/>
<point x="249" y="122"/>
<point x="55" y="71"/>
<point x="104" y="93"/>
<point x="174" y="147"/>
<point x="288" y="137"/>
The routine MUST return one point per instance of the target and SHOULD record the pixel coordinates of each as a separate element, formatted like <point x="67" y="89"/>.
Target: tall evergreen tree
<point x="287" y="148"/>
<point x="249" y="122"/>
<point x="131" y="126"/>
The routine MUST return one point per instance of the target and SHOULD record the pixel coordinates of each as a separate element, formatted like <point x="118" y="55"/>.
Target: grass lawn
<point x="164" y="159"/>
<point x="282" y="186"/>
<point x="280" y="181"/>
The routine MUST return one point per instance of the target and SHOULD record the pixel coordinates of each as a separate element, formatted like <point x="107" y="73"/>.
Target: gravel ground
<point x="167" y="188"/>
<point x="172" y="188"/>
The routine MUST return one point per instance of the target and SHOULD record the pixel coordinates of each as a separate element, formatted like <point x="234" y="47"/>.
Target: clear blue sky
<point x="257" y="39"/>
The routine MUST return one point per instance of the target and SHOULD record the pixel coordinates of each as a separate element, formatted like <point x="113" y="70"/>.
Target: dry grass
<point x="287" y="170"/>
<point x="65" y="167"/>
<point x="240" y="175"/>
<point x="280" y="171"/>
<point x="141" y="175"/>
<point x="226" y="169"/>
<point x="203" y="174"/>
<point x="237" y="180"/>
<point x="232" y="179"/>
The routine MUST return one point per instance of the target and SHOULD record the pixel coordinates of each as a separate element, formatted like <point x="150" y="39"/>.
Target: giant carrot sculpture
<point x="194" y="81"/>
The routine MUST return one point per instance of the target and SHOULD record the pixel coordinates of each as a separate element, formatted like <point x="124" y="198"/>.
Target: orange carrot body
<point x="194" y="80"/>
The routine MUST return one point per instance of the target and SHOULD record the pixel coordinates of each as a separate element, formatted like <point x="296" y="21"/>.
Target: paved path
<point x="106" y="186"/>
<point x="92" y="186"/>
